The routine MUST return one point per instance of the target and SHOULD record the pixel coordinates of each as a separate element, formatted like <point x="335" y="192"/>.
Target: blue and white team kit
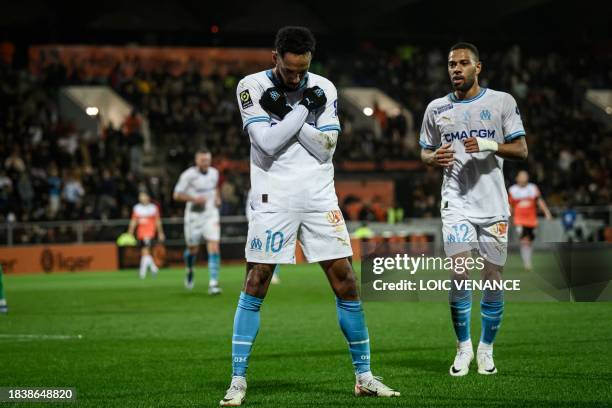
<point x="201" y="221"/>
<point x="474" y="205"/>
<point x="293" y="195"/>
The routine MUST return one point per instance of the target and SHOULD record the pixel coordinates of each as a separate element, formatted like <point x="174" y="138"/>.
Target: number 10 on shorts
<point x="274" y="242"/>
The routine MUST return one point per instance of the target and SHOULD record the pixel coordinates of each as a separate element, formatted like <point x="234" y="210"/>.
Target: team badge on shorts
<point x="256" y="244"/>
<point x="500" y="230"/>
<point x="335" y="217"/>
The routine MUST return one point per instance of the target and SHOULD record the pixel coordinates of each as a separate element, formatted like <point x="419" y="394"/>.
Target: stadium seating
<point x="48" y="171"/>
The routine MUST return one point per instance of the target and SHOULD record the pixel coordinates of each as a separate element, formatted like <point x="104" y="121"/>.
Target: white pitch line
<point x="40" y="336"/>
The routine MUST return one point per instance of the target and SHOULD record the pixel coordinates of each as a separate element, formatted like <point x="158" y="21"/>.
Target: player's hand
<point x="199" y="200"/>
<point x="314" y="98"/>
<point x="478" y="144"/>
<point x="444" y="156"/>
<point x="274" y="101"/>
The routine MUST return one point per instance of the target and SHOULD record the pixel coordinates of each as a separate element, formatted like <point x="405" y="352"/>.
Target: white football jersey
<point x="474" y="185"/>
<point x="193" y="182"/>
<point x="293" y="180"/>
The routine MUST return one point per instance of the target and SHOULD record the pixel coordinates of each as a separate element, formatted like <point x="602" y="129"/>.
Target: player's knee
<point x="257" y="277"/>
<point x="213" y="247"/>
<point x="344" y="280"/>
<point x="492" y="272"/>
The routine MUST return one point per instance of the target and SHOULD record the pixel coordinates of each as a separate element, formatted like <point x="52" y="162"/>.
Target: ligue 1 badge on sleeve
<point x="245" y="99"/>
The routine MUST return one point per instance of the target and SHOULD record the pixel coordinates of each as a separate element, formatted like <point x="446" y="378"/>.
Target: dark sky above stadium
<point x="252" y="23"/>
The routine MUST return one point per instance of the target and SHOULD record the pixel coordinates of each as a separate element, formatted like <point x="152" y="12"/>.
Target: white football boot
<point x="236" y="393"/>
<point x="461" y="364"/>
<point x="484" y="358"/>
<point x="369" y="386"/>
<point x="188" y="280"/>
<point x="213" y="287"/>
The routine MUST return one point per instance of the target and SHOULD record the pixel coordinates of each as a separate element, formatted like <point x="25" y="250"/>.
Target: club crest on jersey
<point x="256" y="244"/>
<point x="245" y="99"/>
<point x="334" y="217"/>
<point x="485" y="114"/>
<point x="274" y="95"/>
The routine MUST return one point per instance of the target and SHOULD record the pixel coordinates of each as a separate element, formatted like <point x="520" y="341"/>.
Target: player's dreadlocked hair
<point x="467" y="46"/>
<point x="297" y="40"/>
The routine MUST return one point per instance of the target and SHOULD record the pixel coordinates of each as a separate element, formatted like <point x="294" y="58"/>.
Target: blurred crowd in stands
<point x="49" y="170"/>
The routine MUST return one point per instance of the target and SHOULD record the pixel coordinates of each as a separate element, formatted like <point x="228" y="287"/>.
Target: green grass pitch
<point x="151" y="343"/>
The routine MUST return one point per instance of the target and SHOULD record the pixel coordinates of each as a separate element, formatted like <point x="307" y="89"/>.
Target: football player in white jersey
<point x="198" y="188"/>
<point x="290" y="116"/>
<point x="469" y="133"/>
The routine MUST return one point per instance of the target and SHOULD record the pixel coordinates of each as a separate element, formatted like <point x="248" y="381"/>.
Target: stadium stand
<point x="50" y="171"/>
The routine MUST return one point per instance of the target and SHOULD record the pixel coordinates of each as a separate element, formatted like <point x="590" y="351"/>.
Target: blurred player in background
<point x="198" y="187"/>
<point x="291" y="118"/>
<point x="147" y="224"/>
<point x="525" y="198"/>
<point x="3" y="305"/>
<point x="249" y="213"/>
<point x="469" y="133"/>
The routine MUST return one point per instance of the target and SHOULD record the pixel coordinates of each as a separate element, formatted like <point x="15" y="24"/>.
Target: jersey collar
<point x="278" y="83"/>
<point x="454" y="99"/>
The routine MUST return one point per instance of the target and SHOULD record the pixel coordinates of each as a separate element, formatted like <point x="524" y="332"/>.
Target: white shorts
<point x="489" y="237"/>
<point x="200" y="227"/>
<point x="272" y="236"/>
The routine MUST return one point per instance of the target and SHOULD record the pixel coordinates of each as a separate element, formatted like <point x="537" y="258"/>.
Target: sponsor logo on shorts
<point x="256" y="244"/>
<point x="343" y="241"/>
<point x="334" y="217"/>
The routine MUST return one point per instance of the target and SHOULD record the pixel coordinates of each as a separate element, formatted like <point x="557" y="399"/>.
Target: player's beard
<point x="466" y="85"/>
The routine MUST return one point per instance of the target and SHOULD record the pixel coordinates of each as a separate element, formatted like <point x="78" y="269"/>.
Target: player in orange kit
<point x="147" y="222"/>
<point x="525" y="198"/>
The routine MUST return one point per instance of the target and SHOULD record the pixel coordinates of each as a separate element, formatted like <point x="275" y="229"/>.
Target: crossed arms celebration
<point x="293" y="121"/>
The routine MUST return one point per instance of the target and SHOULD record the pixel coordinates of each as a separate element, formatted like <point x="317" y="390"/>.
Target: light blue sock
<point x="461" y="308"/>
<point x="189" y="260"/>
<point x="352" y="323"/>
<point x="213" y="266"/>
<point x="277" y="270"/>
<point x="246" y="326"/>
<point x="491" y="311"/>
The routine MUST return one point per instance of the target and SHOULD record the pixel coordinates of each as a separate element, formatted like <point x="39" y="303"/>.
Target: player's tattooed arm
<point x="441" y="157"/>
<point x="513" y="150"/>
